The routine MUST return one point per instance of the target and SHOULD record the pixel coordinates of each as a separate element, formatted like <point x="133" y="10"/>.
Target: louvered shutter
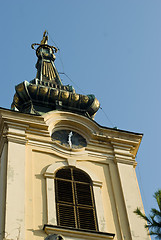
<point x="74" y="199"/>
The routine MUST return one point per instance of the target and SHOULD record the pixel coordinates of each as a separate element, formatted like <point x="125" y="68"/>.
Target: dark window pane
<point x="64" y="191"/>
<point x="80" y="176"/>
<point x="83" y="194"/>
<point x="86" y="218"/>
<point x="66" y="216"/>
<point x="64" y="173"/>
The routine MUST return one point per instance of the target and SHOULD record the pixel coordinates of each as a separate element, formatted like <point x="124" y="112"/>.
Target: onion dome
<point x="46" y="92"/>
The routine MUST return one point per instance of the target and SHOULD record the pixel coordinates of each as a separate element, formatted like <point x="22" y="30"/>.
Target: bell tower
<point x="62" y="175"/>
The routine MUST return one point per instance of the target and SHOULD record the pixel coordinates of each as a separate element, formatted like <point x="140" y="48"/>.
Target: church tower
<point x="62" y="175"/>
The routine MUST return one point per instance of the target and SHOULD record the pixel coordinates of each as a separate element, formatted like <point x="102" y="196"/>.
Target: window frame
<point x="51" y="196"/>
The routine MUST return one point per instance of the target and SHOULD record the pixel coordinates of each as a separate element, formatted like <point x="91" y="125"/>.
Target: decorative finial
<point x="45" y="38"/>
<point x="44" y="41"/>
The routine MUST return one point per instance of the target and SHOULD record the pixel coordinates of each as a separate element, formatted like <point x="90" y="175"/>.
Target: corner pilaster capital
<point x="123" y="151"/>
<point x="14" y="133"/>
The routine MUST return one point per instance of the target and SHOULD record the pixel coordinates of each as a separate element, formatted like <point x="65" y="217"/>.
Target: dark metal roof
<point x="46" y="92"/>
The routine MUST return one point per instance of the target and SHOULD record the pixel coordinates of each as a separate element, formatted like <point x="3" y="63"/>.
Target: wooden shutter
<point x="74" y="199"/>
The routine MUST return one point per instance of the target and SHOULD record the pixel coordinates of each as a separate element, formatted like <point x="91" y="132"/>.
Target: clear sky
<point x="111" y="48"/>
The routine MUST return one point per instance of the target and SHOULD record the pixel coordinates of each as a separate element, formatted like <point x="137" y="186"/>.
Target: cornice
<point x="16" y="127"/>
<point x="100" y="139"/>
<point x="101" y="142"/>
<point x="13" y="133"/>
<point x="22" y="119"/>
<point x="16" y="140"/>
<point x="77" y="234"/>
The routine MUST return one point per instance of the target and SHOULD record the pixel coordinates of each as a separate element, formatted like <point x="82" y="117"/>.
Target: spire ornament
<point x="46" y="92"/>
<point x="44" y="41"/>
<point x="45" y="38"/>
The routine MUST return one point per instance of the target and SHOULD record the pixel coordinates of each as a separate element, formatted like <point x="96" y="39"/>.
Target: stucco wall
<point x="109" y="159"/>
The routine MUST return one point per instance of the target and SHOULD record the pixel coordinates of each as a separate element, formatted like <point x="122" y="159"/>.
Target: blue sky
<point x="110" y="48"/>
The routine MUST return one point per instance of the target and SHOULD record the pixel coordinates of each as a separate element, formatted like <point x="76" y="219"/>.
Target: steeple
<point x="62" y="175"/>
<point x="46" y="92"/>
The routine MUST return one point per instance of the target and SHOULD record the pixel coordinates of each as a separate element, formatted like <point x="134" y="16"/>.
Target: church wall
<point x="51" y="126"/>
<point x="109" y="159"/>
<point x="36" y="206"/>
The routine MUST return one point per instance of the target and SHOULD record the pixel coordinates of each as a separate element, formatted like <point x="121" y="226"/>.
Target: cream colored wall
<point x="15" y="192"/>
<point x="36" y="190"/>
<point x="36" y="204"/>
<point x="114" y="207"/>
<point x="109" y="155"/>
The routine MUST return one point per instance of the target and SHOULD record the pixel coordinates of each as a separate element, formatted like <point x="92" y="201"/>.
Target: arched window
<point x="74" y="199"/>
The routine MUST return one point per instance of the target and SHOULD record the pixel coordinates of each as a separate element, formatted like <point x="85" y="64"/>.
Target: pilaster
<point x="125" y="162"/>
<point x="14" y="169"/>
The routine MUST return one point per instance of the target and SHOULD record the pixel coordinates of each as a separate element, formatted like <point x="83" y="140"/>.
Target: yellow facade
<point x="30" y="158"/>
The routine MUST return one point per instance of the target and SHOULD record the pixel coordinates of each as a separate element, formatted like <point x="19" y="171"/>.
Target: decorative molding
<point x="71" y="162"/>
<point x="77" y="234"/>
<point x="97" y="184"/>
<point x="16" y="140"/>
<point x="96" y="155"/>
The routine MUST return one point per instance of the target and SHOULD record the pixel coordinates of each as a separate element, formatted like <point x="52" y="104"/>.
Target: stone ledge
<point x="77" y="234"/>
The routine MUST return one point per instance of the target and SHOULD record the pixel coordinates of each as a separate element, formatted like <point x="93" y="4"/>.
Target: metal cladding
<point x="46" y="92"/>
